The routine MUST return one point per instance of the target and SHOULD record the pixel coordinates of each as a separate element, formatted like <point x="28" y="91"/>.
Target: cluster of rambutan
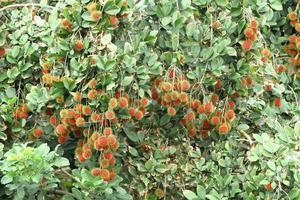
<point x="196" y="116"/>
<point x="95" y="14"/>
<point x="265" y="55"/>
<point x="250" y="34"/>
<point x="48" y="79"/>
<point x="134" y="107"/>
<point x="22" y="112"/>
<point x="107" y="144"/>
<point x="293" y="47"/>
<point x="76" y="120"/>
<point x="247" y="81"/>
<point x="294" y="22"/>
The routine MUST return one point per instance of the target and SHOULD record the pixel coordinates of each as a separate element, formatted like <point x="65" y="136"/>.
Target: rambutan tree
<point x="166" y="99"/>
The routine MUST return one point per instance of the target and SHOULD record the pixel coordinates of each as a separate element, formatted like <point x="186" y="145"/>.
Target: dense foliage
<point x="169" y="99"/>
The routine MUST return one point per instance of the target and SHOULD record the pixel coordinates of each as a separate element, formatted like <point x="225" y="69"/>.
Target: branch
<point x="25" y="5"/>
<point x="247" y="137"/>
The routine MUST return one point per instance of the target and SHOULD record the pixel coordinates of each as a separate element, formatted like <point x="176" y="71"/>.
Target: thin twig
<point x="247" y="137"/>
<point x="25" y="5"/>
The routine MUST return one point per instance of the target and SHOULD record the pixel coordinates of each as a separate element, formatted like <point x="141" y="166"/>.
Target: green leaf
<point x="61" y="162"/>
<point x="271" y="165"/>
<point x="6" y="179"/>
<point x="207" y="53"/>
<point x="190" y="195"/>
<point x="69" y="84"/>
<point x="222" y="2"/>
<point x="242" y="127"/>
<point x="164" y="120"/>
<point x="276" y="5"/>
<point x="106" y="39"/>
<point x="130" y="131"/>
<point x="67" y="197"/>
<point x="20" y="193"/>
<point x="53" y="20"/>
<point x="71" y="2"/>
<point x="231" y="51"/>
<point x="112" y="10"/>
<point x="185" y="4"/>
<point x="77" y="194"/>
<point x="13" y="73"/>
<point x="127" y="80"/>
<point x="201" y="191"/>
<point x="149" y="165"/>
<point x="15" y="51"/>
<point x="271" y="147"/>
<point x="10" y="92"/>
<point x="294" y="193"/>
<point x="133" y="151"/>
<point x="161" y="168"/>
<point x="2" y="39"/>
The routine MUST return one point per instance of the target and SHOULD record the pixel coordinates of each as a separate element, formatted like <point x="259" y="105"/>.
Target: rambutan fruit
<point x="277" y="102"/>
<point x="292" y="16"/>
<point x="92" y="83"/>
<point x="248" y="32"/>
<point x="107" y="131"/>
<point x="53" y="120"/>
<point x="95" y="117"/>
<point x="139" y="115"/>
<point x="190" y="116"/>
<point x="171" y="111"/>
<point x="112" y="175"/>
<point x="279" y="69"/>
<point x="123" y="102"/>
<point x="86" y="110"/>
<point x="104" y="163"/>
<point x="92" y="94"/>
<point x="268" y="186"/>
<point x="87" y="154"/>
<point x="201" y="109"/>
<point x="218" y="84"/>
<point x="214" y="98"/>
<point x="95" y="15"/>
<point x="184" y="99"/>
<point x="78" y="45"/>
<point x="110" y="115"/>
<point x="104" y="174"/>
<point x="60" y="129"/>
<point x="113" y="103"/>
<point x="111" y="139"/>
<point x="144" y="102"/>
<point x="230" y="115"/>
<point x="113" y="20"/>
<point x="80" y="122"/>
<point x="214" y="120"/>
<point x="61" y="139"/>
<point x="38" y="132"/>
<point x="208" y="107"/>
<point x="223" y="128"/>
<point x="96" y="171"/>
<point x="231" y="104"/>
<point x="2" y="52"/>
<point x="246" y="45"/>
<point x="108" y="155"/>
<point x="131" y="111"/>
<point x="102" y="140"/>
